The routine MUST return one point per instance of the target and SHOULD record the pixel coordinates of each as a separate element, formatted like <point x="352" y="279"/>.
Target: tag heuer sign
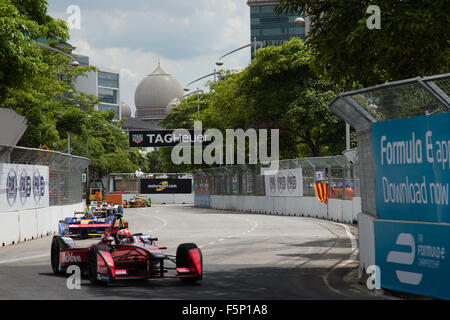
<point x="138" y="138"/>
<point x="166" y="138"/>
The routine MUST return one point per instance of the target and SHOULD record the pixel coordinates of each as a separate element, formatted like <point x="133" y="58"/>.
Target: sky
<point x="129" y="36"/>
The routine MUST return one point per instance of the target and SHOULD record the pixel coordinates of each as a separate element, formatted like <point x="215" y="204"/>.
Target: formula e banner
<point x="412" y="168"/>
<point x="157" y="186"/>
<point x="23" y="187"/>
<point x="413" y="257"/>
<point x="284" y="183"/>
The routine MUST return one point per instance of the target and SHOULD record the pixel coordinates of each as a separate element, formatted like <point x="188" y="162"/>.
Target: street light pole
<point x="68" y="143"/>
<point x="254" y="43"/>
<point x="73" y="63"/>
<point x="347" y="136"/>
<point x="189" y="94"/>
<point x="198" y="103"/>
<point x="201" y="78"/>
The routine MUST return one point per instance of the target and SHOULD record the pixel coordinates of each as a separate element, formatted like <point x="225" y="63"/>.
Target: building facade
<point x="104" y="84"/>
<point x="271" y="29"/>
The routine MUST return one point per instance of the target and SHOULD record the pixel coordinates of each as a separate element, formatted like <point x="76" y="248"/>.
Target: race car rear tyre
<point x="92" y="263"/>
<point x="182" y="259"/>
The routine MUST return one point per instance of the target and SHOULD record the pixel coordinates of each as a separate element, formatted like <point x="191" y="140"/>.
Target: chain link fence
<point x="337" y="171"/>
<point x="65" y="171"/>
<point x="394" y="100"/>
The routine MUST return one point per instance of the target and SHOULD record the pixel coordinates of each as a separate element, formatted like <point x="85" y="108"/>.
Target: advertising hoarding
<point x="412" y="179"/>
<point x="166" y="138"/>
<point x="284" y="183"/>
<point x="412" y="168"/>
<point x="23" y="187"/>
<point x="164" y="186"/>
<point x="413" y="257"/>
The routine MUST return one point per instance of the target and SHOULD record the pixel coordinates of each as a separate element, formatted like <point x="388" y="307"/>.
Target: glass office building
<point x="105" y="84"/>
<point x="108" y="92"/>
<point x="269" y="28"/>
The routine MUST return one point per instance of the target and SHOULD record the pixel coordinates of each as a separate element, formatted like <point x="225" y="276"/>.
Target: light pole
<point x="254" y="44"/>
<point x="219" y="62"/>
<point x="73" y="63"/>
<point x="201" y="78"/>
<point x="299" y="21"/>
<point x="199" y="96"/>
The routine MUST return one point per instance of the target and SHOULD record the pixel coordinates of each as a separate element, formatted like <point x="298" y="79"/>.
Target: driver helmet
<point x="88" y="215"/>
<point x="123" y="234"/>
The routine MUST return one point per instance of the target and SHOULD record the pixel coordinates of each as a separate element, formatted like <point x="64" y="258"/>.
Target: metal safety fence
<point x="65" y="171"/>
<point x="337" y="171"/>
<point x="393" y="100"/>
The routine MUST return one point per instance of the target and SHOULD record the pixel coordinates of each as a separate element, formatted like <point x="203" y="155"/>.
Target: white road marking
<point x="46" y="255"/>
<point x="352" y="258"/>
<point x="160" y="227"/>
<point x="354" y="254"/>
<point x="255" y="225"/>
<point x="325" y="280"/>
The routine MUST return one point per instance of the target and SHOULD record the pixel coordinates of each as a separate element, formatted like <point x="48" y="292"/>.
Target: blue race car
<point x="85" y="224"/>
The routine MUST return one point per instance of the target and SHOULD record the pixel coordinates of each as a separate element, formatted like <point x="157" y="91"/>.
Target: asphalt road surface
<point x="245" y="256"/>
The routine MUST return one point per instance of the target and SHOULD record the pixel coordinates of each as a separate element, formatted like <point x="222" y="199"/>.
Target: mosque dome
<point x="125" y="110"/>
<point x="154" y="93"/>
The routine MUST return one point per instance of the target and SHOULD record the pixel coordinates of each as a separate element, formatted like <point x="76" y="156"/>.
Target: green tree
<point x="155" y="162"/>
<point x="21" y="23"/>
<point x="315" y="130"/>
<point x="39" y="84"/>
<point x="413" y="41"/>
<point x="279" y="90"/>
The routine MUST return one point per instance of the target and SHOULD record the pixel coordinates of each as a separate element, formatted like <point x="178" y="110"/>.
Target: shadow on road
<point x="221" y="282"/>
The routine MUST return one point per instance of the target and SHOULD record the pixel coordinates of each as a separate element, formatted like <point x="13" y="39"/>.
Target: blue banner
<point x="413" y="257"/>
<point x="412" y="168"/>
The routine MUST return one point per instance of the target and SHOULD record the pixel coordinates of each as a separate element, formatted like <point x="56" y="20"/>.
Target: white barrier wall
<point x="338" y="210"/>
<point x="367" y="242"/>
<point x="168" y="198"/>
<point x="25" y="225"/>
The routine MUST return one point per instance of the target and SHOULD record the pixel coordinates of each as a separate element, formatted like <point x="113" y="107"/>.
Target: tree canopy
<point x="40" y="85"/>
<point x="413" y="41"/>
<point x="278" y="90"/>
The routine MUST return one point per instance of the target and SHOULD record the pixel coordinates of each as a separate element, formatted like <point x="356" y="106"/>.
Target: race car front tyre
<point x="92" y="263"/>
<point x="54" y="255"/>
<point x="183" y="260"/>
<point x="58" y="244"/>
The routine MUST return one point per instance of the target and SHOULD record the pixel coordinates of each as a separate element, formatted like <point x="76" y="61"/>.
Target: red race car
<point x="123" y="256"/>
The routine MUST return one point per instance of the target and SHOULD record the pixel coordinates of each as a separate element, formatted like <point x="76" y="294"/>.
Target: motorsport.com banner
<point x="165" y="138"/>
<point x="158" y="186"/>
